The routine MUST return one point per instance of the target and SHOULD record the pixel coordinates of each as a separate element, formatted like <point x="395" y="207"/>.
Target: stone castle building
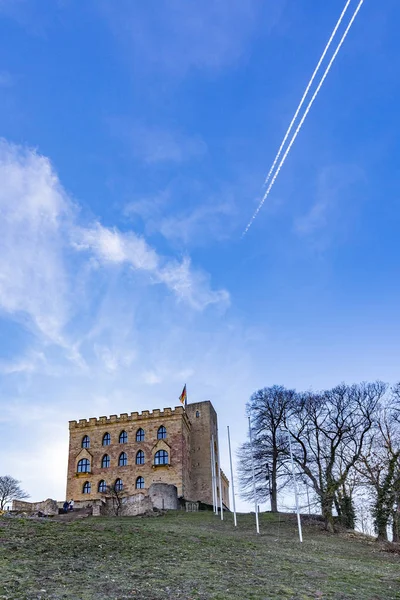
<point x="134" y="451"/>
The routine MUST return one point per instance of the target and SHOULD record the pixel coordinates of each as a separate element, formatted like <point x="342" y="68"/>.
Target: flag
<point x="183" y="396"/>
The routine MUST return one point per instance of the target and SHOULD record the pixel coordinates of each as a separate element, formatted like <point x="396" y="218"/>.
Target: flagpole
<point x="254" y="479"/>
<point x="220" y="486"/>
<point x="296" y="493"/>
<point x="233" y="485"/>
<point x="212" y="474"/>
<point x="214" y="477"/>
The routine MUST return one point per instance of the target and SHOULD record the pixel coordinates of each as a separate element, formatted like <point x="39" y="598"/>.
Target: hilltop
<point x="191" y="556"/>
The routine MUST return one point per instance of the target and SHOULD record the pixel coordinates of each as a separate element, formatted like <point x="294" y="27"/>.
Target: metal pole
<point x="220" y="486"/>
<point x="254" y="479"/>
<point x="233" y="485"/>
<point x="212" y="474"/>
<point x="296" y="494"/>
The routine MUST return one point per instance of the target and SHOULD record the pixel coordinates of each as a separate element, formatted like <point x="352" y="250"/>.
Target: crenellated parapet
<point x="125" y="417"/>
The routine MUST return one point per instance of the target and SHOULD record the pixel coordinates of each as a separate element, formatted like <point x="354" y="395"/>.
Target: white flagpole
<point x="220" y="486"/>
<point x="212" y="474"/>
<point x="215" y="477"/>
<point x="233" y="485"/>
<point x="254" y="479"/>
<point x="296" y="493"/>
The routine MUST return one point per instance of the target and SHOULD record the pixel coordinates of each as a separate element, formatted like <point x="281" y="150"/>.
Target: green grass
<point x="189" y="556"/>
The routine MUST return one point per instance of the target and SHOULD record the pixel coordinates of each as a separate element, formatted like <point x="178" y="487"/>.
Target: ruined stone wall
<point x="48" y="507"/>
<point x="164" y="496"/>
<point x="175" y="473"/>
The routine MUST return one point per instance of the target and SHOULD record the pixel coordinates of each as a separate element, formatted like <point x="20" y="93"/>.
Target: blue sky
<point x="135" y="141"/>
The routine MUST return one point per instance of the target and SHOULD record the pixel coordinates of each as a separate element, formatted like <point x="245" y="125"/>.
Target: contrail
<point x="306" y="91"/>
<point x="304" y="116"/>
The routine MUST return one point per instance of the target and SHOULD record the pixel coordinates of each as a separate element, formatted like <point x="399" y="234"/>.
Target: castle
<point x="136" y="451"/>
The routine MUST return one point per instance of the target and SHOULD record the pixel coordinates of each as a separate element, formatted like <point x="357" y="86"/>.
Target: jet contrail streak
<point x="328" y="68"/>
<point x="306" y="91"/>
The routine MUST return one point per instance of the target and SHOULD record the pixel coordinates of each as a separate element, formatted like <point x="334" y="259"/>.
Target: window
<point x="140" y="435"/>
<point x="197" y="414"/>
<point x="123" y="460"/>
<point x="161" y="457"/>
<point x="123" y="437"/>
<point x="102" y="486"/>
<point x="105" y="461"/>
<point x="106" y="439"/>
<point x="86" y="442"/>
<point x="140" y="458"/>
<point x="84" y="465"/>
<point x="86" y="487"/>
<point x="139" y="483"/>
<point x="161" y="433"/>
<point x="118" y="486"/>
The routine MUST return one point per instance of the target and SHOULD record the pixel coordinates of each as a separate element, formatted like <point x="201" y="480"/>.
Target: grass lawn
<point x="190" y="556"/>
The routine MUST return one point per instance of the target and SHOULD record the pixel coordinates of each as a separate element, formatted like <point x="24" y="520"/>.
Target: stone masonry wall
<point x="48" y="507"/>
<point x="177" y="426"/>
<point x="204" y="423"/>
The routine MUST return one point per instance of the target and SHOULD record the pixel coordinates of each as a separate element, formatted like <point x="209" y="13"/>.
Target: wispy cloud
<point x="337" y="194"/>
<point x="38" y="229"/>
<point x="33" y="212"/>
<point x="6" y="79"/>
<point x="208" y="215"/>
<point x="177" y="35"/>
<point x="153" y="145"/>
<point x="111" y="246"/>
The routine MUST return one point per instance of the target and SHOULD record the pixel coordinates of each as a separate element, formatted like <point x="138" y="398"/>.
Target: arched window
<point x="86" y="442"/>
<point x="161" y="433"/>
<point x="140" y="458"/>
<point x="105" y="461"/>
<point x="123" y="437"/>
<point x="86" y="487"/>
<point x="140" y="435"/>
<point x="106" y="439"/>
<point x="139" y="483"/>
<point x="123" y="460"/>
<point x="102" y="486"/>
<point x="118" y="485"/>
<point x="161" y="457"/>
<point x="84" y="465"/>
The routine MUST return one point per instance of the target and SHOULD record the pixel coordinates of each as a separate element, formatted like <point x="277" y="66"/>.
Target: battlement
<point x="124" y="417"/>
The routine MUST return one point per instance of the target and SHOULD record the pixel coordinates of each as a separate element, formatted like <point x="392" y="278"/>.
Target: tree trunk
<point x="396" y="525"/>
<point x="327" y="503"/>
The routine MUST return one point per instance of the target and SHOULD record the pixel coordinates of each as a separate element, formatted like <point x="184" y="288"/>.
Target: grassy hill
<point x="189" y="556"/>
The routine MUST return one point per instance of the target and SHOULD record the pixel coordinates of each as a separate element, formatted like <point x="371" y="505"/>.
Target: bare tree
<point x="268" y="409"/>
<point x="380" y="470"/>
<point x="10" y="490"/>
<point x="329" y="431"/>
<point x="117" y="494"/>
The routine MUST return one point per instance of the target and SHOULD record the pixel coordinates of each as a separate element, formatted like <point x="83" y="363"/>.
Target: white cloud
<point x="38" y="223"/>
<point x="115" y="247"/>
<point x="33" y="210"/>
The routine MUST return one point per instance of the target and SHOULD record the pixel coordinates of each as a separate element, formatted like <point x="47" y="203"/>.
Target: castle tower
<point x="204" y="425"/>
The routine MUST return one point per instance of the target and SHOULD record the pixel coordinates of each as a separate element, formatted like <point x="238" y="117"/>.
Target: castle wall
<point x="187" y="443"/>
<point x="177" y="426"/>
